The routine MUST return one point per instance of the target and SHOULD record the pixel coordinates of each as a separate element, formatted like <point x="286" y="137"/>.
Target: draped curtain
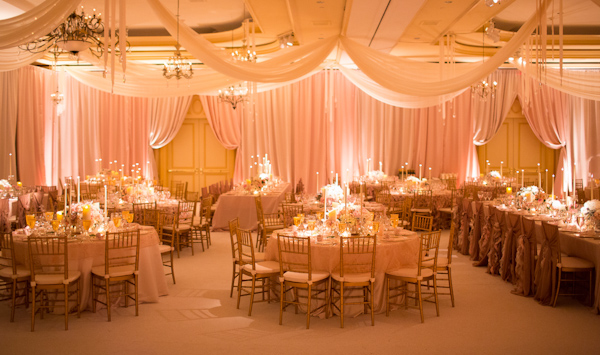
<point x="548" y="116"/>
<point x="9" y="90"/>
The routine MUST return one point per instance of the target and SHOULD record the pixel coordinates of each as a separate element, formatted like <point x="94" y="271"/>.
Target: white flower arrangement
<point x="5" y="185"/>
<point x="494" y="174"/>
<point x="376" y="175"/>
<point x="590" y="208"/>
<point x="558" y="206"/>
<point x="528" y="194"/>
<point x="413" y="179"/>
<point x="333" y="192"/>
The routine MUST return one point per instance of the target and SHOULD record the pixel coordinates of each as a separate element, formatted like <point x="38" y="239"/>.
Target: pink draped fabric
<point x="37" y="113"/>
<point x="546" y="112"/>
<point x="585" y="115"/>
<point x="323" y="124"/>
<point x="9" y="83"/>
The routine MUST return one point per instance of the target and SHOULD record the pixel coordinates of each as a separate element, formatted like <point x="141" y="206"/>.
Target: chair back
<point x="204" y="192"/>
<point x="406" y="206"/>
<point x="259" y="210"/>
<point x="234" y="225"/>
<point x="206" y="209"/>
<point x="422" y="223"/>
<point x="48" y="256"/>
<point x="185" y="213"/>
<point x="423" y="199"/>
<point x="294" y="255"/>
<point x="245" y="248"/>
<point x="4" y="219"/>
<point x="122" y="250"/>
<point x="138" y="210"/>
<point x="289" y="212"/>
<point x="357" y="255"/>
<point x="180" y="190"/>
<point x="383" y="196"/>
<point x="155" y="218"/>
<point x="7" y="252"/>
<point x="429" y="244"/>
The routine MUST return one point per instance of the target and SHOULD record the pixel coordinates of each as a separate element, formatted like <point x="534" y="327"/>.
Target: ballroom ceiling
<point x="408" y="28"/>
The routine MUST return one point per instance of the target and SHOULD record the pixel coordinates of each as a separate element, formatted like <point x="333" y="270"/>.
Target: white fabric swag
<point x="35" y="23"/>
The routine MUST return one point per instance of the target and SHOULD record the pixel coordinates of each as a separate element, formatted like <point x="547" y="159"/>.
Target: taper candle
<point x="429" y="173"/>
<point x="317" y="182"/>
<point x="78" y="190"/>
<point x="420" y="168"/>
<point x="501" y="164"/>
<point x="546" y="180"/>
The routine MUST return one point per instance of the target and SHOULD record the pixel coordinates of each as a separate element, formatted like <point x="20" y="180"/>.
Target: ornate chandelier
<point x="176" y="67"/>
<point x="491" y="3"/>
<point x="246" y="52"/>
<point x="78" y="33"/>
<point x="484" y="89"/>
<point x="234" y="95"/>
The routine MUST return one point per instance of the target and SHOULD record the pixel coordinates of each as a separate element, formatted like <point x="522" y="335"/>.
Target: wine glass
<point x="342" y="227"/>
<point x="129" y="217"/>
<point x="87" y="223"/>
<point x="116" y="218"/>
<point x="55" y="224"/>
<point x="580" y="220"/>
<point x="375" y="227"/>
<point x="49" y="216"/>
<point x="30" y="219"/>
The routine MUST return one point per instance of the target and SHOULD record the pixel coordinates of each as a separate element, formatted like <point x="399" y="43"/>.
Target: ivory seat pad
<point x="303" y="276"/>
<point x="575" y="263"/>
<point x="411" y="273"/>
<point x="114" y="271"/>
<point x="50" y="279"/>
<point x="352" y="277"/>
<point x="263" y="267"/>
<point x="22" y="271"/>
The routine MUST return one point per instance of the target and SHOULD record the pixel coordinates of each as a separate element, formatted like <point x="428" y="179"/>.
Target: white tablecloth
<point x="232" y="205"/>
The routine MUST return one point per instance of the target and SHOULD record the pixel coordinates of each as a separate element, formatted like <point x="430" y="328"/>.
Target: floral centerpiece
<point x="376" y="175"/>
<point x="139" y="193"/>
<point x="332" y="192"/>
<point x="556" y="205"/>
<point x="85" y="210"/>
<point x="529" y="194"/>
<point x="6" y="188"/>
<point x="591" y="209"/>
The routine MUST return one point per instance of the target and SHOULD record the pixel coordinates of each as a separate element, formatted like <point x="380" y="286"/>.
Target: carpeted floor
<point x="199" y="317"/>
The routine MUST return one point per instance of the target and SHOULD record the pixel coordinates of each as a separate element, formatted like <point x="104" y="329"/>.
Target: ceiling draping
<point x="35" y="23"/>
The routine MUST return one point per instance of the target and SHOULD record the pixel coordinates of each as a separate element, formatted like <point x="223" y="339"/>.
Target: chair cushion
<point x="421" y="210"/>
<point x="163" y="248"/>
<point x="349" y="277"/>
<point x="22" y="271"/>
<point x="263" y="267"/>
<point x="116" y="271"/>
<point x="572" y="262"/>
<point x="271" y="228"/>
<point x="56" y="279"/>
<point x="442" y="262"/>
<point x="445" y="210"/>
<point x="411" y="273"/>
<point x="303" y="276"/>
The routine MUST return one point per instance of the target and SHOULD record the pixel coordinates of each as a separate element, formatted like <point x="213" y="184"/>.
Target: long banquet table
<point x="233" y="204"/>
<point x="392" y="253"/>
<point x="87" y="254"/>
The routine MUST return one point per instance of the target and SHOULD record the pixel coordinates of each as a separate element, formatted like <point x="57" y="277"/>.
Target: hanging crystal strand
<point x="560" y="38"/>
<point x="106" y="36"/>
<point x="123" y="35"/>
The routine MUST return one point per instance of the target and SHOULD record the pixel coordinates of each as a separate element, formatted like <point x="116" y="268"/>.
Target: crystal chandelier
<point x="484" y="89"/>
<point x="234" y="95"/>
<point x="245" y="53"/>
<point x="176" y="67"/>
<point x="78" y="33"/>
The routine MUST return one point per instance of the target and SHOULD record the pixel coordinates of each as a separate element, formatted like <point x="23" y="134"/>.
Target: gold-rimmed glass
<point x="296" y="221"/>
<point x="116" y="218"/>
<point x="342" y="227"/>
<point x="395" y="223"/>
<point x="55" y="224"/>
<point x="375" y="227"/>
<point x="49" y="216"/>
<point x="128" y="216"/>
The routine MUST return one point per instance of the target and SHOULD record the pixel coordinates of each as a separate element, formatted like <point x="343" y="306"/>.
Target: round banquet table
<point x="392" y="252"/>
<point x="87" y="254"/>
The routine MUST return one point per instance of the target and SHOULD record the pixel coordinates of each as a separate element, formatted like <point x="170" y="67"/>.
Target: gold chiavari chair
<point x="138" y="210"/>
<point x="49" y="268"/>
<point x="406" y="210"/>
<point x="422" y="223"/>
<point x="424" y="272"/>
<point x="155" y="218"/>
<point x="178" y="226"/>
<point x="423" y="202"/>
<point x="234" y="224"/>
<point x="357" y="271"/>
<point x="121" y="265"/>
<point x="201" y="230"/>
<point x="289" y="212"/>
<point x="267" y="223"/>
<point x="444" y="267"/>
<point x="12" y="275"/>
<point x="261" y="271"/>
<point x="295" y="272"/>
<point x="180" y="190"/>
<point x="383" y="196"/>
<point x="578" y="184"/>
